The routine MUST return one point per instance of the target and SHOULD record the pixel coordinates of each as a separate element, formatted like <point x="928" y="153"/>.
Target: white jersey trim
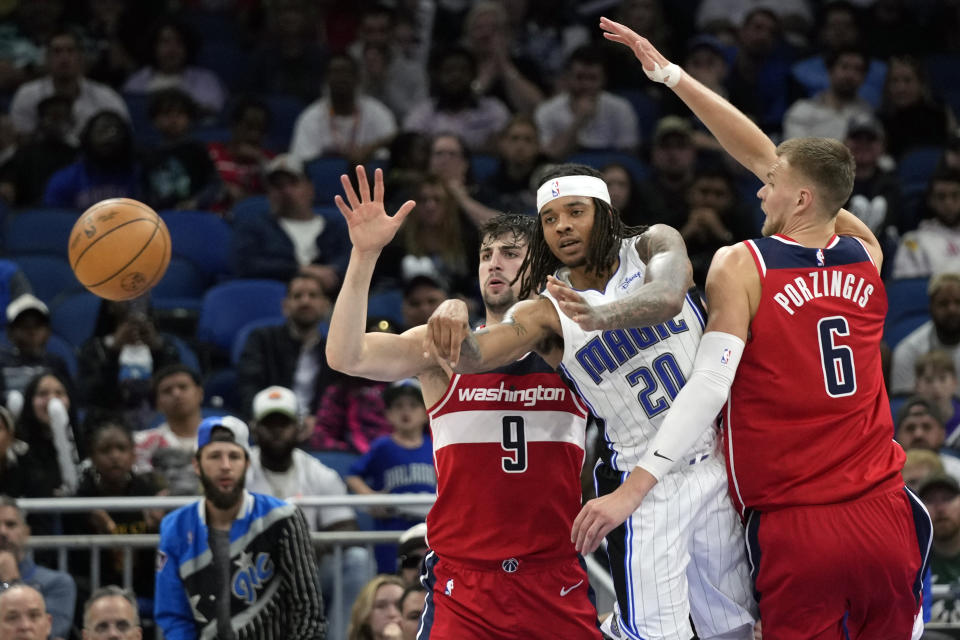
<point x="451" y="387"/>
<point x="752" y="246"/>
<point x="466" y="427"/>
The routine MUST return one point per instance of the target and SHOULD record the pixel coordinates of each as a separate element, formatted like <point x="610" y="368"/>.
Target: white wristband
<point x="669" y="75"/>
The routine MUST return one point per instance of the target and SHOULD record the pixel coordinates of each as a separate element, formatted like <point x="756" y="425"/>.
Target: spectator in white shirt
<point x="279" y="468"/>
<point x="343" y="122"/>
<point x="65" y="78"/>
<point x="934" y="246"/>
<point x="585" y="116"/>
<point x="940" y="333"/>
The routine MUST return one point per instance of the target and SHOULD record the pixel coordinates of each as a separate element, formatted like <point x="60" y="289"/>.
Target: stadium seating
<point x="325" y="174"/>
<point x="202" y="238"/>
<point x="49" y="275"/>
<point x="388" y="304"/>
<point x="220" y="391"/>
<point x="599" y="159"/>
<point x="908" y="308"/>
<point x="74" y="317"/>
<point x="40" y="231"/>
<point x="250" y="207"/>
<point x="187" y="355"/>
<point x="284" y="110"/>
<point x="241" y="337"/>
<point x="228" y="306"/>
<point x="914" y="171"/>
<point x="483" y="166"/>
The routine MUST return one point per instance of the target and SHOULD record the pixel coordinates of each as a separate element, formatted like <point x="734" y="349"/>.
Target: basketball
<point x="119" y="248"/>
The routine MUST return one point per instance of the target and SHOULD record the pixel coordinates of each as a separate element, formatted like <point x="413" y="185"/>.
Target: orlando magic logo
<point x="251" y="576"/>
<point x="510" y="565"/>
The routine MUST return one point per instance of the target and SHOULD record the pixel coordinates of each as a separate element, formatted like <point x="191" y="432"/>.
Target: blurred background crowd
<point x="234" y="119"/>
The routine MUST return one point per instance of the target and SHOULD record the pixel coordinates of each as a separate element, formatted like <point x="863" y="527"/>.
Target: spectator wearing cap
<point x="235" y="564"/>
<point x="28" y="330"/>
<point x="343" y="122"/>
<point x="941" y="332"/>
<point x="827" y="113"/>
<point x="941" y="495"/>
<point x="585" y="116"/>
<point x="290" y="354"/>
<point x="280" y="469"/>
<point x="293" y="237"/>
<point x="920" y="426"/>
<point x="401" y="462"/>
<point x="673" y="159"/>
<point x="876" y="189"/>
<point x="411" y="549"/>
<point x="931" y="248"/>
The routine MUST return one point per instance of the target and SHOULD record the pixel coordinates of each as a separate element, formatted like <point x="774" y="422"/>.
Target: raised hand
<point x="646" y="53"/>
<point x="370" y="228"/>
<point x="574" y="306"/>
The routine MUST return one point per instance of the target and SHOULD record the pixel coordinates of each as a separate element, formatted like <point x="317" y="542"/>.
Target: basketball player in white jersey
<point x="679" y="554"/>
<point x="502" y="564"/>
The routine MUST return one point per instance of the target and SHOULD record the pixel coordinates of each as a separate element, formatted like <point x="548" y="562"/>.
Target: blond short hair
<point x="827" y="163"/>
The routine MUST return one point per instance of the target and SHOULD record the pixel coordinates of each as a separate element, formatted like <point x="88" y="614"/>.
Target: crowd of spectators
<point x="248" y="111"/>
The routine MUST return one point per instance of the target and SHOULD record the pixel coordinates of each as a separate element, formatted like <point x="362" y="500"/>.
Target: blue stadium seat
<point x="908" y="308"/>
<point x="483" y="166"/>
<point x="339" y="461"/>
<point x="647" y="109"/>
<point x="241" y="338"/>
<point x="187" y="355"/>
<point x="50" y="276"/>
<point x="60" y="347"/>
<point x="388" y="304"/>
<point x="40" y="231"/>
<point x="220" y="389"/>
<point x="183" y="279"/>
<point x="944" y="71"/>
<point x="914" y="171"/>
<point x="228" y="306"/>
<point x="599" y="159"/>
<point x="143" y="130"/>
<point x="226" y="59"/>
<point x="284" y="110"/>
<point x="325" y="174"/>
<point x="74" y="317"/>
<point x="215" y="133"/>
<point x="201" y="238"/>
<point x="249" y="207"/>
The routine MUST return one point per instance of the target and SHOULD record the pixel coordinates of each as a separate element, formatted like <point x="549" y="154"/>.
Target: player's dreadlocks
<point x="605" y="238"/>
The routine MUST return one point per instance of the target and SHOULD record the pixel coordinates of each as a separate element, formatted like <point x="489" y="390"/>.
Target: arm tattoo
<point x="470" y="350"/>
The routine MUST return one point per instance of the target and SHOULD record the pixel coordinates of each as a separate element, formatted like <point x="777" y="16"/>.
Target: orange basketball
<point x="119" y="248"/>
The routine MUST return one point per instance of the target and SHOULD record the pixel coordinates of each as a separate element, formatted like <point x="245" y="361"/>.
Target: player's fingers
<point x="344" y="209"/>
<point x="362" y="185"/>
<point x="378" y="185"/>
<point x="349" y="192"/>
<point x="403" y="211"/>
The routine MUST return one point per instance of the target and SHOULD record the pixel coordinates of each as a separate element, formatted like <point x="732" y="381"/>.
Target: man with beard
<point x="235" y="565"/>
<point x="499" y="557"/>
<point x="280" y="469"/>
<point x="290" y="354"/>
<point x="827" y="113"/>
<point x="941" y="495"/>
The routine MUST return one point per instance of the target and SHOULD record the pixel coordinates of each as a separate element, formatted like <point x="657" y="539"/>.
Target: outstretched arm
<point x="667" y="278"/>
<point x="377" y="356"/>
<point x="528" y="325"/>
<point x="695" y="407"/>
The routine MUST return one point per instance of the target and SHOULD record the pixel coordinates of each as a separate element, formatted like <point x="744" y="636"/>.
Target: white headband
<point x="572" y="186"/>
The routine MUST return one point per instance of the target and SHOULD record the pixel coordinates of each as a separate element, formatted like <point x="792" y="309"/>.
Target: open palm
<point x="646" y="53"/>
<point x="370" y="227"/>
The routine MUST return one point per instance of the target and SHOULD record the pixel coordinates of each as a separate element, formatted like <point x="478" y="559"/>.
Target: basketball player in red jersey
<point x="508" y="447"/>
<point x="836" y="542"/>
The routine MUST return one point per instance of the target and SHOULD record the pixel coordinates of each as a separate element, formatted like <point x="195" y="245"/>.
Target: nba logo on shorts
<point x="449" y="590"/>
<point x="820" y="261"/>
<point x="555" y="190"/>
<point x="511" y="565"/>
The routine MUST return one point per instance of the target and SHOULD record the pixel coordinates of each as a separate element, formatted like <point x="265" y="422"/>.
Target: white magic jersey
<point x="629" y="377"/>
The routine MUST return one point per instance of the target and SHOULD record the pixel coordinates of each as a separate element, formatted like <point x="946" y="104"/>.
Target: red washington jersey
<point x="508" y="446"/>
<point x="808" y="419"/>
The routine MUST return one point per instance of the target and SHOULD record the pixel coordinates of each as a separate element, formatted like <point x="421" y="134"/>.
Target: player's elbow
<point x="340" y="361"/>
<point x="671" y="303"/>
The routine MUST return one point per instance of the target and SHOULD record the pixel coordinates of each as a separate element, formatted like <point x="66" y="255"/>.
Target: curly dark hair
<point x="605" y="239"/>
<point x="517" y="225"/>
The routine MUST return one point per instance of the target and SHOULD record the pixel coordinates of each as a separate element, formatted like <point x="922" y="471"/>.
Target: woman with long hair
<point x="911" y="115"/>
<point x="376" y="607"/>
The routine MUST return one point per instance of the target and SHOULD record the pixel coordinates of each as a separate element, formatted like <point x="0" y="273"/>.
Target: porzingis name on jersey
<point x="528" y="397"/>
<point x="824" y="284"/>
<point x="610" y="349"/>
